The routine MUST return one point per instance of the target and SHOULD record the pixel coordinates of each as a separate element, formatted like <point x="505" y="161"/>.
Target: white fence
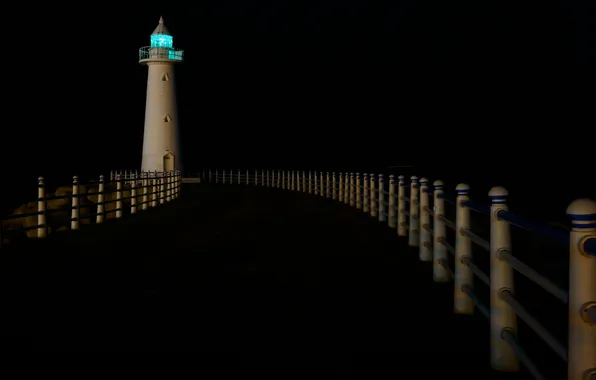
<point x="408" y="209"/>
<point x="122" y="194"/>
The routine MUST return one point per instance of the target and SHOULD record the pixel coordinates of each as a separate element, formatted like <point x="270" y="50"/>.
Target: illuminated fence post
<point x="401" y="207"/>
<point x="346" y="199"/>
<point x="42" y="226"/>
<point x="283" y="179"/>
<point x="262" y="177"/>
<point x="341" y="187"/>
<point x="502" y="316"/>
<point x="358" y="192"/>
<point x="582" y="290"/>
<point x="310" y="182"/>
<point x="210" y="176"/>
<point x="352" y="190"/>
<point x="300" y="181"/>
<point x="316" y="184"/>
<point x="462" y="304"/>
<point x="247" y="178"/>
<point x="293" y="187"/>
<point x="333" y="186"/>
<point x="373" y="196"/>
<point x="223" y="176"/>
<point x="304" y="181"/>
<point x="118" y="196"/>
<point x="425" y="253"/>
<point x="133" y="193"/>
<point x="414" y="237"/>
<point x="216" y="175"/>
<point x="153" y="180"/>
<point x="321" y="185"/>
<point x="76" y="211"/>
<point x="100" y="201"/>
<point x="162" y="188"/>
<point x="366" y="194"/>
<point x="168" y="186"/>
<point x="382" y="212"/>
<point x="268" y="183"/>
<point x="392" y="221"/>
<point x="328" y="183"/>
<point x="440" y="273"/>
<point x="145" y="190"/>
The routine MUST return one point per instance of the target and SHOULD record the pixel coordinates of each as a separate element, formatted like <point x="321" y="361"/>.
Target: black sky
<point x="461" y="86"/>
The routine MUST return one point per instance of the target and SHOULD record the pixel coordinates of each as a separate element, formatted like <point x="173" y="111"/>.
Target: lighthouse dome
<point x="160" y="37"/>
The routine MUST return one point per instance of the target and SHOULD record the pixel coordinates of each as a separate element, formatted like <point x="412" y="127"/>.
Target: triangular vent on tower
<point x="167" y="119"/>
<point x="165" y="77"/>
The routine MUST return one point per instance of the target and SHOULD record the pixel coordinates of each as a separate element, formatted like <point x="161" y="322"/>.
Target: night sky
<point x="457" y="88"/>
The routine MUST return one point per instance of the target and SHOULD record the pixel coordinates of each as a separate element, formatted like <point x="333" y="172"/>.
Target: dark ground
<point x="248" y="277"/>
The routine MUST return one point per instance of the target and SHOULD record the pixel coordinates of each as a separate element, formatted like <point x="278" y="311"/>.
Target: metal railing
<point x="426" y="226"/>
<point x="71" y="209"/>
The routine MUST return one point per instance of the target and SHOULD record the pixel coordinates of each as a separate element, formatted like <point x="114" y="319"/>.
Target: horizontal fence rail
<point x="418" y="212"/>
<point x="109" y="199"/>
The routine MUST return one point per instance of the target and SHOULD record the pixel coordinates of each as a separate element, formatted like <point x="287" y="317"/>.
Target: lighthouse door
<point x="168" y="162"/>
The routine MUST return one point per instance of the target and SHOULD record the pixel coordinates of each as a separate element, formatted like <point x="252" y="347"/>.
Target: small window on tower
<point x="167" y="119"/>
<point x="165" y="77"/>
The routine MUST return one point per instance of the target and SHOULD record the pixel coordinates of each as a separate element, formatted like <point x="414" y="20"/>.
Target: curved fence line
<point x="425" y="227"/>
<point x="137" y="191"/>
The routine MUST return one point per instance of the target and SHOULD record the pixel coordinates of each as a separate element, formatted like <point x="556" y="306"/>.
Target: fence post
<point x="392" y="221"/>
<point x="316" y="182"/>
<point x="440" y="274"/>
<point x="162" y="187"/>
<point x="382" y="212"/>
<point x="75" y="212"/>
<point x="358" y="192"/>
<point x="146" y="190"/>
<point x="118" y="196"/>
<point x="402" y="227"/>
<point x="502" y="317"/>
<point x="42" y="223"/>
<point x="328" y="185"/>
<point x="333" y="186"/>
<point x="304" y="181"/>
<point x="133" y="194"/>
<point x="321" y="184"/>
<point x="100" y="201"/>
<point x="292" y="184"/>
<point x="352" y="190"/>
<point x="341" y="187"/>
<point x="209" y="175"/>
<point x="373" y="196"/>
<point x="168" y="186"/>
<point x="582" y="291"/>
<point x="366" y="194"/>
<point x="346" y="199"/>
<point x="462" y="304"/>
<point x="425" y="253"/>
<point x="153" y="180"/>
<point x="414" y="230"/>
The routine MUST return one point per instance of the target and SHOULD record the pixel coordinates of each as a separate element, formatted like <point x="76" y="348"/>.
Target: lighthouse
<point x="161" y="145"/>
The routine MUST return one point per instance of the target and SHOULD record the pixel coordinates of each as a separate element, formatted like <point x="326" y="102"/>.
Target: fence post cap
<point x="357" y="174"/>
<point x="372" y="174"/>
<point x="101" y="177"/>
<point x="40" y="179"/>
<point x="438" y="183"/>
<point x="381" y="175"/>
<point x="423" y="181"/>
<point x="75" y="178"/>
<point x="582" y="206"/>
<point x="462" y="187"/>
<point x="391" y="176"/>
<point x="118" y="177"/>
<point x="414" y="178"/>
<point x="498" y="191"/>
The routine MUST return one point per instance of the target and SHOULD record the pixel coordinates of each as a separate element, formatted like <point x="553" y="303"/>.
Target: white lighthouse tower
<point x="161" y="145"/>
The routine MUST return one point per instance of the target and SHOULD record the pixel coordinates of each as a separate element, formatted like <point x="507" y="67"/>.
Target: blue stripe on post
<point x="578" y="225"/>
<point x="587" y="217"/>
<point x="498" y="197"/>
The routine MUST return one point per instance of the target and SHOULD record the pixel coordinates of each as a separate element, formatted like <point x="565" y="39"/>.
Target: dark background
<point x="488" y="93"/>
